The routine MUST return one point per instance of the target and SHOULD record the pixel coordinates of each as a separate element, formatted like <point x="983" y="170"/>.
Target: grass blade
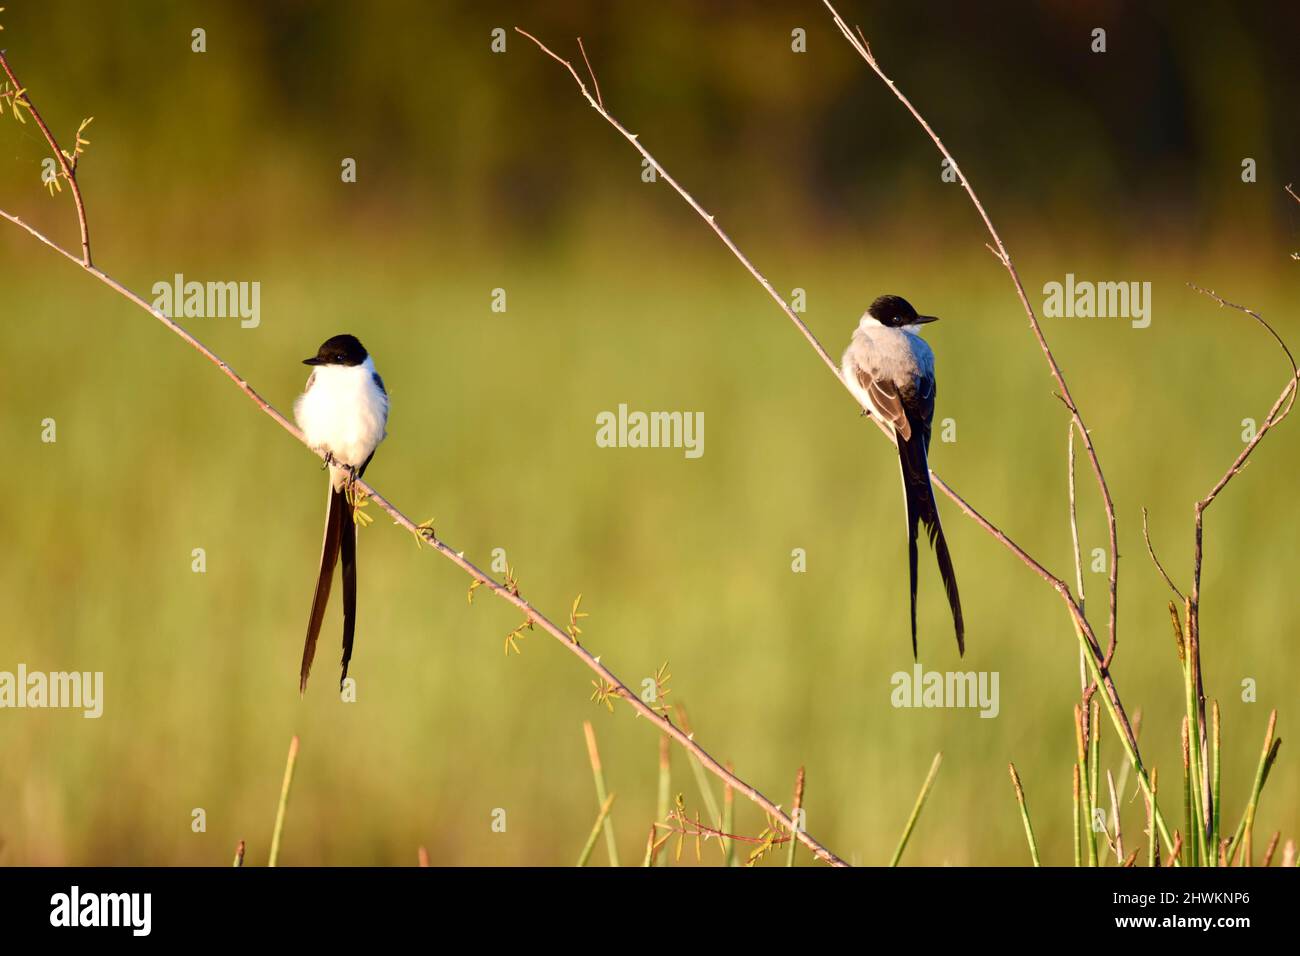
<point x="1094" y="774"/>
<point x="284" y="801"/>
<point x="1024" y="814"/>
<point x="701" y="778"/>
<point x="1153" y="835"/>
<point x="1085" y="798"/>
<point x="1216" y="835"/>
<point x="598" y="775"/>
<point x="1114" y="820"/>
<point x="1078" y="834"/>
<point x="602" y="818"/>
<point x="916" y="809"/>
<point x="1266" y="757"/>
<point x="1189" y="804"/>
<point x="664" y="792"/>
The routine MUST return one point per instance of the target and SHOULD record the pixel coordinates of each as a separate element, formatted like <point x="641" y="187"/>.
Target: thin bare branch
<point x="1078" y="556"/>
<point x="1146" y="534"/>
<point x="69" y="173"/>
<point x="592" y="73"/>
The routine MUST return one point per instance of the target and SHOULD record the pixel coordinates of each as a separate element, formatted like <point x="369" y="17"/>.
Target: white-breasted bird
<point x="890" y="369"/>
<point x="343" y="412"/>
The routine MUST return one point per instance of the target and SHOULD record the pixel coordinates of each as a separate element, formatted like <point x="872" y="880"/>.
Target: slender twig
<point x="916" y="809"/>
<point x="284" y="800"/>
<point x="1024" y="814"/>
<point x="592" y="73"/>
<point x="698" y="828"/>
<point x="1078" y="556"/>
<point x="425" y="534"/>
<point x="69" y="173"/>
<point x="1146" y="534"/>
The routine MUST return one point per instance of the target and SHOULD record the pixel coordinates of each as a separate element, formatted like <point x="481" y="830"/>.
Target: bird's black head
<point x="894" y="311"/>
<point x="340" y="350"/>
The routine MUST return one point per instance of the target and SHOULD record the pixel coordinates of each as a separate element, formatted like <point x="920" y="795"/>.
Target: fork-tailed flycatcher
<point x="342" y="412"/>
<point x="890" y="370"/>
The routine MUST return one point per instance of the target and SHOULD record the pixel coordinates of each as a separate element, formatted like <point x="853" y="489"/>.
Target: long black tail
<point x="329" y="555"/>
<point x="348" y="551"/>
<point x="921" y="509"/>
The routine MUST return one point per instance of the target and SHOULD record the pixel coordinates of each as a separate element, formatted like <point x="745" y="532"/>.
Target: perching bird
<point x="342" y="412"/>
<point x="890" y="369"/>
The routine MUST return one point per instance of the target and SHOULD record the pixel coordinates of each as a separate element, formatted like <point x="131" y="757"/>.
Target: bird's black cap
<point x="895" y="312"/>
<point x="339" y="350"/>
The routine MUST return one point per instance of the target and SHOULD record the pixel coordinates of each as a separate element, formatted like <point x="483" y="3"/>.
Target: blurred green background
<point x="479" y="171"/>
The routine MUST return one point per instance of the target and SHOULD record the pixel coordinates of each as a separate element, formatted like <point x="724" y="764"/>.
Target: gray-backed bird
<point x="890" y="369"/>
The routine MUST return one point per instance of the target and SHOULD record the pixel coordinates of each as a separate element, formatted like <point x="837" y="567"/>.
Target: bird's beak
<point x="314" y="360"/>
<point x="922" y="319"/>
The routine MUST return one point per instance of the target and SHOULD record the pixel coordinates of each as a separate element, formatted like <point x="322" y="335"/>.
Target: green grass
<point x="492" y="432"/>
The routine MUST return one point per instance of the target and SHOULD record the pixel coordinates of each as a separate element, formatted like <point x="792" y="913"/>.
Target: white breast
<point x="343" y="411"/>
<point x="887" y="354"/>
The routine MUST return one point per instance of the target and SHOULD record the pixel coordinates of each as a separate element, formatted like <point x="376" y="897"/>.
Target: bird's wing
<point x="920" y="406"/>
<point x="885" y="399"/>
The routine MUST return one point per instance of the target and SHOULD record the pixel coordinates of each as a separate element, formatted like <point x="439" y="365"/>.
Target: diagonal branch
<point x="616" y="687"/>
